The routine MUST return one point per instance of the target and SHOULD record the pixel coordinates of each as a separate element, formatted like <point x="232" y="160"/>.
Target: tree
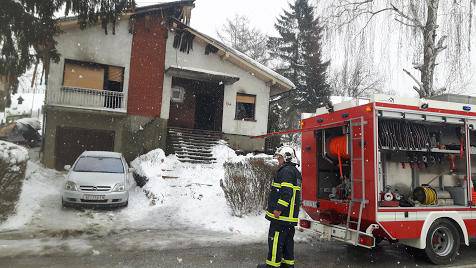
<point x="298" y="52"/>
<point x="357" y="76"/>
<point x="299" y="49"/>
<point x="240" y="35"/>
<point x="28" y="27"/>
<point x="422" y="19"/>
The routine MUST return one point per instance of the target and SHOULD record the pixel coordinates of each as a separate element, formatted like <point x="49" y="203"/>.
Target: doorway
<point x="199" y="106"/>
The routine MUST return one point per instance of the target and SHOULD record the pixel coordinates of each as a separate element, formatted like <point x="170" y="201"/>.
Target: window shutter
<point x="83" y="76"/>
<point x="245" y="98"/>
<point x="115" y="74"/>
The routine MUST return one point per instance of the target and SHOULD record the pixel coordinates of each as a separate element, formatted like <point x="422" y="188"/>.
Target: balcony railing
<point x="88" y="98"/>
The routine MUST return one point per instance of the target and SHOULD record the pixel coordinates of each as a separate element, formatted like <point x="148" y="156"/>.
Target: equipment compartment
<point x="333" y="165"/>
<point x="422" y="163"/>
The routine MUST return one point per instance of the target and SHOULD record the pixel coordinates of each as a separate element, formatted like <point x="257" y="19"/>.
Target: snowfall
<point x="182" y="202"/>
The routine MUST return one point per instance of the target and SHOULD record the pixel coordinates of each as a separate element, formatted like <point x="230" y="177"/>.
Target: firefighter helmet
<point x="288" y="153"/>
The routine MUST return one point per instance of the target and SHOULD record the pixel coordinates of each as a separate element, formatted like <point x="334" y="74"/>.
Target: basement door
<point x="71" y="142"/>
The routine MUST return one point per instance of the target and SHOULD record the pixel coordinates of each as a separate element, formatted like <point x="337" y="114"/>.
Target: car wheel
<point x="442" y="242"/>
<point x="63" y="204"/>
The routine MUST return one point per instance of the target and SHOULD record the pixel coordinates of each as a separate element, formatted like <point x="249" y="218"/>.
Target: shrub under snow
<point x="150" y="164"/>
<point x="247" y="183"/>
<point x="13" y="159"/>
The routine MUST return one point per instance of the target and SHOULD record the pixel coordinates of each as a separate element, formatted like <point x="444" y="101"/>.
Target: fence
<point x="88" y="98"/>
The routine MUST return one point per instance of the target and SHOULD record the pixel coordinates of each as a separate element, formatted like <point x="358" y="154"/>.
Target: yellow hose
<point x="430" y="196"/>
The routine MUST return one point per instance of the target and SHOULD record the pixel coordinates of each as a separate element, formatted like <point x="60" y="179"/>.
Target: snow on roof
<point x="241" y="56"/>
<point x="33" y="122"/>
<point x="262" y="67"/>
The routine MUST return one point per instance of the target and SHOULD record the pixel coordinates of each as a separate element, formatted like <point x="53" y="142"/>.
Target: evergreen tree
<point x="28" y="27"/>
<point x="299" y="50"/>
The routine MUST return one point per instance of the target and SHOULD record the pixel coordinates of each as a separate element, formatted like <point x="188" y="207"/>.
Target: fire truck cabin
<point x="392" y="168"/>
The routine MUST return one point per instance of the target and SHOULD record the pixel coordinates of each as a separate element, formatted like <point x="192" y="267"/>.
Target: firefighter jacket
<point x="285" y="195"/>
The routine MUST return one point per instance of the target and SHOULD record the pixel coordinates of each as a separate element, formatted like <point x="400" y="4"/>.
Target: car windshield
<point x="99" y="164"/>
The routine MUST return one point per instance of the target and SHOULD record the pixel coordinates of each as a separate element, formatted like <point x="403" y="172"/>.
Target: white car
<point x="99" y="179"/>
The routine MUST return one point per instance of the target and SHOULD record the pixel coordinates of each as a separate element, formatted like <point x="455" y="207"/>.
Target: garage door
<point x="71" y="142"/>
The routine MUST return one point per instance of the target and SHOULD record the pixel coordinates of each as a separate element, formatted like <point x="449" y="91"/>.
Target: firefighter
<point x="283" y="209"/>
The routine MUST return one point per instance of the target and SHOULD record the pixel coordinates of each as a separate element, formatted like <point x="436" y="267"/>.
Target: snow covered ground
<point x="178" y="196"/>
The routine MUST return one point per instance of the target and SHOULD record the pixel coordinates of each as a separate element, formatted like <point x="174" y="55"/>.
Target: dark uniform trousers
<point x="284" y="196"/>
<point x="281" y="245"/>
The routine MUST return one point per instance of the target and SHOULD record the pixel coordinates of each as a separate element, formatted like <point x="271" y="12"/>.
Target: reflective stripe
<point x="281" y="218"/>
<point x="275" y="246"/>
<point x="277" y="185"/>
<point x="274" y="264"/>
<point x="288" y="262"/>
<point x="293" y="200"/>
<point x="290" y="185"/>
<point x="282" y="202"/>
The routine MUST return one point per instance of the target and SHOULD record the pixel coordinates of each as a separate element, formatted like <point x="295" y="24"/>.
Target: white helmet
<point x="288" y="153"/>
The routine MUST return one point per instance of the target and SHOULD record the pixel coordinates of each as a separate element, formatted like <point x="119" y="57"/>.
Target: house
<point x="126" y="91"/>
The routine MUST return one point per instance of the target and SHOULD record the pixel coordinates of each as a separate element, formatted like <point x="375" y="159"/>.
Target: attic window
<point x="245" y="107"/>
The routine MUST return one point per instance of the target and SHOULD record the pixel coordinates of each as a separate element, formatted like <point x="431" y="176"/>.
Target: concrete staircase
<point x="193" y="145"/>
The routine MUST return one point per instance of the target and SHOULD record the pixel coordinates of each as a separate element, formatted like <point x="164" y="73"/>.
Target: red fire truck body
<point x="392" y="168"/>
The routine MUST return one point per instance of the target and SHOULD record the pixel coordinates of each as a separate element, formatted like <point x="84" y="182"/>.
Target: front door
<point x="209" y="109"/>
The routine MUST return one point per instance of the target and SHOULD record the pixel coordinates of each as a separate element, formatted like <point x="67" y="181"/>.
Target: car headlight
<point x="119" y="187"/>
<point x="71" y="186"/>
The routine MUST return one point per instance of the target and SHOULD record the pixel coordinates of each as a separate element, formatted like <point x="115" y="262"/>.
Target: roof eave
<point x="273" y="80"/>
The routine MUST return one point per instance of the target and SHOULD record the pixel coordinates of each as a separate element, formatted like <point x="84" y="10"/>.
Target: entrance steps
<point x="193" y="145"/>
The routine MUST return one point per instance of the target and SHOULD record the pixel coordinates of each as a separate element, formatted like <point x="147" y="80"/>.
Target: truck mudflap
<point x="340" y="233"/>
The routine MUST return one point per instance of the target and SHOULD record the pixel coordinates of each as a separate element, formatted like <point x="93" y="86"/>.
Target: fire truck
<point x="390" y="168"/>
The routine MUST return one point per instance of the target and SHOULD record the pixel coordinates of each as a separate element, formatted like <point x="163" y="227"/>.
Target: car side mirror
<point x="67" y="167"/>
<point x="131" y="170"/>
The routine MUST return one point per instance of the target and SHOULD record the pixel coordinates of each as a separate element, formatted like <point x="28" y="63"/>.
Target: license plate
<point x="93" y="197"/>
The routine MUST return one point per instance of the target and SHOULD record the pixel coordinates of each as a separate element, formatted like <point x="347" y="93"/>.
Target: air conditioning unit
<point x="178" y="94"/>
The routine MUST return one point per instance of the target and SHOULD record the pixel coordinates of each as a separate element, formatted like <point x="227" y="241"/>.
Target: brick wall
<point x="147" y="67"/>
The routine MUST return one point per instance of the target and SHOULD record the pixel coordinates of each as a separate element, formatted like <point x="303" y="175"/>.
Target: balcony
<point x="86" y="98"/>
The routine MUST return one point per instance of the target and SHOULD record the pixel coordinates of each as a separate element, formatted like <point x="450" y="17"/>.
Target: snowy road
<point x="188" y="225"/>
<point x="153" y="249"/>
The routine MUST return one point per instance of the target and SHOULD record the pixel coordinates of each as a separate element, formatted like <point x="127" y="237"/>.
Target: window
<point x="245" y="107"/>
<point x="93" y="76"/>
<point x="82" y="75"/>
<point x="99" y="164"/>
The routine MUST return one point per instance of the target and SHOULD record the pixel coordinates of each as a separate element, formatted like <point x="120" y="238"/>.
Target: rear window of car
<point x="99" y="164"/>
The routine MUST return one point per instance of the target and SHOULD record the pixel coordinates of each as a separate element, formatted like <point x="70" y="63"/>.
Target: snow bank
<point x="149" y="165"/>
<point x="12" y="153"/>
<point x="178" y="196"/>
<point x="12" y="173"/>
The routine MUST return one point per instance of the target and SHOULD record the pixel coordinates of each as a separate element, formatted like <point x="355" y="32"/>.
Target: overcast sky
<point x="210" y="15"/>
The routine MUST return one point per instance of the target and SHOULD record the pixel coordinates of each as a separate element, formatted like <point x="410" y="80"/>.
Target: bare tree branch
<point x="405" y="16"/>
<point x="414" y="79"/>
<point x="407" y="24"/>
<point x="439" y="46"/>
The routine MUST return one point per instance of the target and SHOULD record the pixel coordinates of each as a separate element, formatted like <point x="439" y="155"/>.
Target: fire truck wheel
<point x="378" y="240"/>
<point x="442" y="242"/>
